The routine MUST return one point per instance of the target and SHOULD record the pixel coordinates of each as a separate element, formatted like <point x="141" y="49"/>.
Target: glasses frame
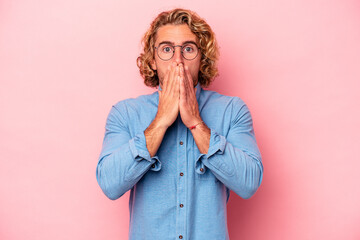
<point x="173" y="52"/>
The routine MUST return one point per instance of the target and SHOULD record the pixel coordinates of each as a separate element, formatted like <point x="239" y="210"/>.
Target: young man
<point x="181" y="149"/>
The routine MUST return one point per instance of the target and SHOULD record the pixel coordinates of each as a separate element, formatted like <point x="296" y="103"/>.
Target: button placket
<point x="181" y="182"/>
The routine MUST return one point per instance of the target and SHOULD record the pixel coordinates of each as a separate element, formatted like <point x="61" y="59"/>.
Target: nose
<point x="178" y="58"/>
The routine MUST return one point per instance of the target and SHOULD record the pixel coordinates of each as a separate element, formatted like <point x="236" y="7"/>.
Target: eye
<point x="166" y="49"/>
<point x="189" y="48"/>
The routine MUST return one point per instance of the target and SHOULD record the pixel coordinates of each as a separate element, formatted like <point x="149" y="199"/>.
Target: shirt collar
<point x="198" y="90"/>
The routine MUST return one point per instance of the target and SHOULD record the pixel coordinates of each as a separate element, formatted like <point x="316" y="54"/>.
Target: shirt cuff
<point x="140" y="152"/>
<point x="217" y="145"/>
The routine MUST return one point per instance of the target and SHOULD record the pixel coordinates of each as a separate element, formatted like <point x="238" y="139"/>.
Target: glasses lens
<point x="165" y="51"/>
<point x="190" y="51"/>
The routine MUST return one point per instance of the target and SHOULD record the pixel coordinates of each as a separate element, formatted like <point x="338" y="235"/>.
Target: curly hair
<point x="208" y="46"/>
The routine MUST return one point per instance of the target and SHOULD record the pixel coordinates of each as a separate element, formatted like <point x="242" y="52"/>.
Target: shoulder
<point x="136" y="103"/>
<point x="224" y="100"/>
<point x="129" y="107"/>
<point x="232" y="106"/>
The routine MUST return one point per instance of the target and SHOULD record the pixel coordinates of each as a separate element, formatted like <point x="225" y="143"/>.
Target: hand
<point x="168" y="108"/>
<point x="189" y="108"/>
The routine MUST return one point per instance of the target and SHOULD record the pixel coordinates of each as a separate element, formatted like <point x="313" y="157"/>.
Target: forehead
<point x="175" y="33"/>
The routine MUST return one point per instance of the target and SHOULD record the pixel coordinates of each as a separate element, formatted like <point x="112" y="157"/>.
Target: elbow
<point x="252" y="184"/>
<point x="248" y="193"/>
<point x="110" y="191"/>
<point x="245" y="191"/>
<point x="108" y="188"/>
<point x="112" y="196"/>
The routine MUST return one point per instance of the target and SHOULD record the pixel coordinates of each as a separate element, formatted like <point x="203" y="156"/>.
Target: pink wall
<point x="295" y="63"/>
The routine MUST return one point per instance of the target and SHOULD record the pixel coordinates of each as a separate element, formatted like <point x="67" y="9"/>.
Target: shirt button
<point x="181" y="143"/>
<point x="181" y="174"/>
<point x="201" y="169"/>
<point x="153" y="165"/>
<point x="181" y="205"/>
<point x="180" y="236"/>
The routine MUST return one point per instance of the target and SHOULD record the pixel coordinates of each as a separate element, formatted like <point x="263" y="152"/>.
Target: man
<point x="181" y="149"/>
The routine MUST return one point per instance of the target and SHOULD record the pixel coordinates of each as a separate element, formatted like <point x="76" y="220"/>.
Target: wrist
<point x="160" y="123"/>
<point x="197" y="124"/>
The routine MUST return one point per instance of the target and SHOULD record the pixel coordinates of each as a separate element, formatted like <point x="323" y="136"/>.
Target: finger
<point x="181" y="71"/>
<point x="177" y="87"/>
<point x="186" y="82"/>
<point x="183" y="76"/>
<point x="176" y="74"/>
<point x="188" y="75"/>
<point x="177" y="82"/>
<point x="166" y="78"/>
<point x="173" y="78"/>
<point x="182" y="89"/>
<point x="190" y="83"/>
<point x="169" y="78"/>
<point x="183" y="92"/>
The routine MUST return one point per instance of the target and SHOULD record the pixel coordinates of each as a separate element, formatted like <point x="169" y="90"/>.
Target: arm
<point x="234" y="160"/>
<point x="123" y="160"/>
<point x="202" y="134"/>
<point x="154" y="135"/>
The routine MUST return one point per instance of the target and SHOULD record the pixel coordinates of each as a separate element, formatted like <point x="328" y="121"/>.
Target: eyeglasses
<point x="166" y="51"/>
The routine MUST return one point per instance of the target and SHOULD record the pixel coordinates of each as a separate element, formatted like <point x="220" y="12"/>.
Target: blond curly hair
<point x="208" y="45"/>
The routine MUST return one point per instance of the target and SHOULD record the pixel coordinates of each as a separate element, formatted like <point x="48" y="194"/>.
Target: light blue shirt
<point x="179" y="193"/>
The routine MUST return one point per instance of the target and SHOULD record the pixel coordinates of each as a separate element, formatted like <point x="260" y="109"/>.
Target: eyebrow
<point x="172" y="43"/>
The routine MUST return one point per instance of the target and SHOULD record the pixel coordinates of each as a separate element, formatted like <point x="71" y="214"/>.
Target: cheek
<point x="162" y="72"/>
<point x="196" y="67"/>
<point x="195" y="70"/>
<point x="159" y="71"/>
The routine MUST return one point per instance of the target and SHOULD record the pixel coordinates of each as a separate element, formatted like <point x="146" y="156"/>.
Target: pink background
<point x="64" y="63"/>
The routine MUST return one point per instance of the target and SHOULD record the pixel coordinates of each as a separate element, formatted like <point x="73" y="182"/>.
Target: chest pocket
<point x="207" y="176"/>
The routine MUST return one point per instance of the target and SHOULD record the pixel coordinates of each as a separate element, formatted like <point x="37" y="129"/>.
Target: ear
<point x="153" y="65"/>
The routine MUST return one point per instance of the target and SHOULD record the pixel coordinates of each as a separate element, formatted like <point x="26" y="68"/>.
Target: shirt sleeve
<point x="123" y="159"/>
<point x="235" y="160"/>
